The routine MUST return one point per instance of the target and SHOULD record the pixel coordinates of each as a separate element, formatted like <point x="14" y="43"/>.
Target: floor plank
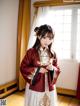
<point x="17" y="99"/>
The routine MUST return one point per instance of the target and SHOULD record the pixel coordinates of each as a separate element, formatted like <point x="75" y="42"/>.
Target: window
<point x="62" y="26"/>
<point x="65" y="20"/>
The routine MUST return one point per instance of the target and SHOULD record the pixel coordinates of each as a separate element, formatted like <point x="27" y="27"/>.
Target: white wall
<point x="69" y="75"/>
<point x="8" y="39"/>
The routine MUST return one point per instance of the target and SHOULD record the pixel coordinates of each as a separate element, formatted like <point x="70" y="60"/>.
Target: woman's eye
<point x="50" y="38"/>
<point x="44" y="37"/>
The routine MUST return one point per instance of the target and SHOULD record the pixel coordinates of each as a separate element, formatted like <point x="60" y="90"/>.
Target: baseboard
<point x="8" y="88"/>
<point x="66" y="91"/>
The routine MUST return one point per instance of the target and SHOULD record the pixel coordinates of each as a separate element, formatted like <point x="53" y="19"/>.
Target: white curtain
<point x="61" y="19"/>
<point x="35" y="24"/>
<point x="48" y="15"/>
<point x="39" y="19"/>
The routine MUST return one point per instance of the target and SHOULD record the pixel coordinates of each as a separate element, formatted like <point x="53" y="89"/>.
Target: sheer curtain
<point x="57" y="19"/>
<point x="64" y="21"/>
<point x="40" y="19"/>
<point x="36" y="23"/>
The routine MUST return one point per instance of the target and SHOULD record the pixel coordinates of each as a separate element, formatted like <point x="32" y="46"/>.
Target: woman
<point x="39" y="68"/>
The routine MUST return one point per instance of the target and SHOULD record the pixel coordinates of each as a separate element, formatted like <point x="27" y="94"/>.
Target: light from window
<point x="61" y="20"/>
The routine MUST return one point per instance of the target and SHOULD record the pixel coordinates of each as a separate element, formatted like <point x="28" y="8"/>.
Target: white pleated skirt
<point x="47" y="98"/>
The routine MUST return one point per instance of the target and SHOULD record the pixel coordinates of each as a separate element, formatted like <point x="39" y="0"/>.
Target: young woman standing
<point x="39" y="68"/>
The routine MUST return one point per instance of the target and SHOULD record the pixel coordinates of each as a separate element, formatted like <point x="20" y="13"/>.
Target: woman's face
<point x="45" y="41"/>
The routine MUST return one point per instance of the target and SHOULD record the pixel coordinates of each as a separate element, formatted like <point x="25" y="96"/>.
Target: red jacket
<point x="28" y="65"/>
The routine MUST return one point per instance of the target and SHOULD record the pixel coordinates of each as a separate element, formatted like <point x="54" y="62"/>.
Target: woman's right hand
<point x="43" y="70"/>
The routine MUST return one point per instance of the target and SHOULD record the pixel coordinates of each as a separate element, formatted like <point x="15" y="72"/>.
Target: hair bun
<point x="36" y="29"/>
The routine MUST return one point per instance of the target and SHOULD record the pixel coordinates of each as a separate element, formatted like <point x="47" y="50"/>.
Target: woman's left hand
<point x="49" y="67"/>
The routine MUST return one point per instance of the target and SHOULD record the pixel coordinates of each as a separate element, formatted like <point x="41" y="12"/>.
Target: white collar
<point x="41" y="49"/>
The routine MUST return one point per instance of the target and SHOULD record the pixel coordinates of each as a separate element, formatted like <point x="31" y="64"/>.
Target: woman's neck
<point x="43" y="48"/>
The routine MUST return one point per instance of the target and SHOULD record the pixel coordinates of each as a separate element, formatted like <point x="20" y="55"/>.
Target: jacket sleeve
<point x="26" y="67"/>
<point x="56" y="69"/>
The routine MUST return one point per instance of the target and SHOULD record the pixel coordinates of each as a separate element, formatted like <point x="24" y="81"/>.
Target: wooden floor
<point x="17" y="99"/>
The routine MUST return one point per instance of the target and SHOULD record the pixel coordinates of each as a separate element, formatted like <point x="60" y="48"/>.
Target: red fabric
<point x="28" y="65"/>
<point x="78" y="85"/>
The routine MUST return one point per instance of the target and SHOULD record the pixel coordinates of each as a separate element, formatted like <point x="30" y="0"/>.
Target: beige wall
<point x="8" y="39"/>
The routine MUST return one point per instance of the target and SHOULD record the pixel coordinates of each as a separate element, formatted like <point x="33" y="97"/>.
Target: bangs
<point x="49" y="35"/>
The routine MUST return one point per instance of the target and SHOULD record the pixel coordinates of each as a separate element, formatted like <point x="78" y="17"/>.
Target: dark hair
<point x="41" y="32"/>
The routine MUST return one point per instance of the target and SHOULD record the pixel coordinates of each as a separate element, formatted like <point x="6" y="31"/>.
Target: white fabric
<point x="33" y="98"/>
<point x="38" y="20"/>
<point x="44" y="56"/>
<point x="32" y="37"/>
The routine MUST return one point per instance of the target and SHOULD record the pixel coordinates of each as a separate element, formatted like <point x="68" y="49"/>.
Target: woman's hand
<point x="50" y="67"/>
<point x="43" y="70"/>
<point x="40" y="64"/>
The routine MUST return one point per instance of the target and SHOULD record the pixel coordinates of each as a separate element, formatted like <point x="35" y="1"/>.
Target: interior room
<point x="18" y="19"/>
